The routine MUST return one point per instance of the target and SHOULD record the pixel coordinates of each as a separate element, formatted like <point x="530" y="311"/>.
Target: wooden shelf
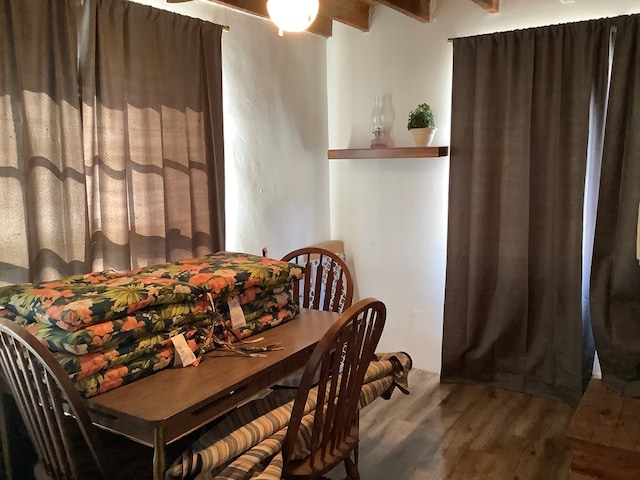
<point x="395" y="152"/>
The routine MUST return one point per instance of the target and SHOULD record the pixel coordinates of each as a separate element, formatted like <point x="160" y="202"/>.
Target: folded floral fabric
<point x="123" y="374"/>
<point x="254" y="301"/>
<point x="130" y="368"/>
<point x="82" y="366"/>
<point x="270" y="307"/>
<point x="72" y="305"/>
<point x="267" y="320"/>
<point x="110" y="328"/>
<point x="82" y="300"/>
<point x="221" y="272"/>
<point x="101" y="337"/>
<point x="261" y="308"/>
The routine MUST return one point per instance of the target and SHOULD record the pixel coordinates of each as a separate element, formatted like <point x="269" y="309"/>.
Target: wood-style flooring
<point x="445" y="431"/>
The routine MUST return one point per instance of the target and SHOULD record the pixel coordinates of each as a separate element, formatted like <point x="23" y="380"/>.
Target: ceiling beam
<point x="335" y="8"/>
<point x="491" y="6"/>
<point x="358" y="17"/>
<point x="254" y="7"/>
<point x="322" y="26"/>
<point x="417" y="9"/>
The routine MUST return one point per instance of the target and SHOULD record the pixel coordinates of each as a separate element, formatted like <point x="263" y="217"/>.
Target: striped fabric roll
<point x="247" y="443"/>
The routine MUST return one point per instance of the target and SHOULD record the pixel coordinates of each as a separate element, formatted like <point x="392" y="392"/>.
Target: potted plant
<point x="422" y="125"/>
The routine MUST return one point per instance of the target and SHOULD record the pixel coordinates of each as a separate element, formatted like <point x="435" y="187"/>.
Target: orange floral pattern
<point x="75" y="302"/>
<point x="109" y="328"/>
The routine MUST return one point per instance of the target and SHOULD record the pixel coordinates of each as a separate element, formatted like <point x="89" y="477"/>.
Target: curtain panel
<point x="615" y="283"/>
<point x="513" y="314"/>
<point x="111" y="126"/>
<point x="42" y="181"/>
<point x="152" y="110"/>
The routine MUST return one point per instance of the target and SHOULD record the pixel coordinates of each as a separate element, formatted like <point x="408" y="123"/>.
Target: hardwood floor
<point x="462" y="432"/>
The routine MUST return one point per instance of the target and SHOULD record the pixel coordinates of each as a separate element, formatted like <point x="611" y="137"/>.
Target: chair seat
<point x="319" y="463"/>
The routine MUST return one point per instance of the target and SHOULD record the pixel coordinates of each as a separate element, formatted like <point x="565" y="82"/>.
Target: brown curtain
<point x="615" y="287"/>
<point x="520" y="120"/>
<point x="42" y="181"/>
<point x="152" y="118"/>
<point x="111" y="127"/>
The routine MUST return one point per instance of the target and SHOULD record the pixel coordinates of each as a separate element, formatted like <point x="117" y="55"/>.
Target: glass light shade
<point x="292" y="15"/>
<point x="378" y="123"/>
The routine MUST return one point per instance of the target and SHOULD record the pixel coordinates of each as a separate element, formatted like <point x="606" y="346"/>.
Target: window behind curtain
<point x="42" y="181"/>
<point x="131" y="173"/>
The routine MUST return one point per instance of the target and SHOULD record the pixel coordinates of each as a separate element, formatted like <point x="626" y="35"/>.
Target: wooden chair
<point x="68" y="445"/>
<point x="327" y="283"/>
<point x="340" y="361"/>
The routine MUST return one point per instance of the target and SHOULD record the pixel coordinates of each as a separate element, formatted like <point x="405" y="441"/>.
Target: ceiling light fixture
<point x="292" y="15"/>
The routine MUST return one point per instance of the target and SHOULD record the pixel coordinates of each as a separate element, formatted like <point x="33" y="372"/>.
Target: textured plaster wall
<point x="392" y="213"/>
<point x="275" y="114"/>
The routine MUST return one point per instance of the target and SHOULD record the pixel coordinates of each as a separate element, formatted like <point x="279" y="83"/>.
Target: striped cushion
<point x="247" y="443"/>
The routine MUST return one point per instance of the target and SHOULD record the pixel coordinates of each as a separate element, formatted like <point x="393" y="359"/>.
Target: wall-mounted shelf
<point x="395" y="152"/>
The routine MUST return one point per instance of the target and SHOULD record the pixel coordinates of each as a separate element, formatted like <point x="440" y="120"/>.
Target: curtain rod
<point x="451" y="39"/>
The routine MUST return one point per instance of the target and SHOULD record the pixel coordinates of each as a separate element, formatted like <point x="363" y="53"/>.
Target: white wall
<point x="275" y="114"/>
<point x="392" y="214"/>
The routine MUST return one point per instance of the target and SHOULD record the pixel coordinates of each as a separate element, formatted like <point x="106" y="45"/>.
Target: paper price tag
<point x="236" y="313"/>
<point x="184" y="355"/>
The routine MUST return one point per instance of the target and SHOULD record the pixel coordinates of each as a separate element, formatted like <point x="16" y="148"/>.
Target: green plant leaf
<point x="421" y="117"/>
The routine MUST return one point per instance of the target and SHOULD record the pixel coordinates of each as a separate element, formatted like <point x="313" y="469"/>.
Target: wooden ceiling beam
<point x="254" y="7"/>
<point x="358" y="17"/>
<point x="322" y="26"/>
<point x="335" y="8"/>
<point x="491" y="6"/>
<point x="417" y="9"/>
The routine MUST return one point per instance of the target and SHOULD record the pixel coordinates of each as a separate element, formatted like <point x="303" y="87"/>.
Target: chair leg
<point x="355" y="453"/>
<point x="352" y="469"/>
<point x="4" y="440"/>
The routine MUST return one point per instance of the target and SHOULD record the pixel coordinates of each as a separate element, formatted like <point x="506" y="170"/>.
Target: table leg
<point x="159" y="453"/>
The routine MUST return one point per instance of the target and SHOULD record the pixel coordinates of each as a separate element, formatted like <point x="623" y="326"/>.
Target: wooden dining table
<point x="164" y="407"/>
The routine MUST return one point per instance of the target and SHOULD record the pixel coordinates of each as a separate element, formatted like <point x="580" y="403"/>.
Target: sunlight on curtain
<point x="132" y="175"/>
<point x="41" y="169"/>
<point x="149" y="143"/>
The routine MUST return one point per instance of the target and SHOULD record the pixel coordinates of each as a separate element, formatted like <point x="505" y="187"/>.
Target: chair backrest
<point x="327" y="283"/>
<point x="340" y="361"/>
<point x="52" y="410"/>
